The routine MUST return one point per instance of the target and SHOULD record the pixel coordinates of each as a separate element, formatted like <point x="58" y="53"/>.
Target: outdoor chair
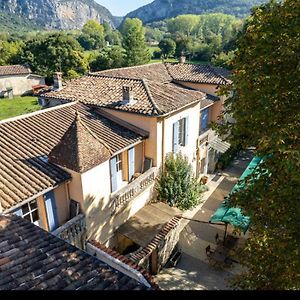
<point x="208" y="251"/>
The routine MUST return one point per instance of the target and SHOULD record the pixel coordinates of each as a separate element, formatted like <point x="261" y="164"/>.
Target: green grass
<point x="18" y="106"/>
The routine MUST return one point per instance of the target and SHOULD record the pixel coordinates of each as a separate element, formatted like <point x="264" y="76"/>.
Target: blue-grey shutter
<point x="186" y="131"/>
<point x="204" y="118"/>
<point x="131" y="154"/>
<point x="113" y="174"/>
<point x="175" y="136"/>
<point x="18" y="212"/>
<point x="51" y="210"/>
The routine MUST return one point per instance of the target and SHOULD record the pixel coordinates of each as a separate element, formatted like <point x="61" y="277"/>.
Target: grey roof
<point x="219" y="145"/>
<point x="34" y="259"/>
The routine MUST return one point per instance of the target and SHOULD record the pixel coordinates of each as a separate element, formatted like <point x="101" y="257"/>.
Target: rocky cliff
<point x="56" y="14"/>
<point x="164" y="9"/>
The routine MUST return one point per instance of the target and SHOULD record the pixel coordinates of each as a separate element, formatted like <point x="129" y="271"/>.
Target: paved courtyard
<point x="193" y="271"/>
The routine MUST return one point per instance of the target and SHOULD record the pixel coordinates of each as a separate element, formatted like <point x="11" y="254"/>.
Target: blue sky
<point x="122" y="7"/>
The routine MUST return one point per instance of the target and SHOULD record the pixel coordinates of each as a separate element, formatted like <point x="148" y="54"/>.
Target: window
<point x="29" y="211"/>
<point x="204" y="115"/>
<point x="180" y="133"/>
<point x="119" y="162"/>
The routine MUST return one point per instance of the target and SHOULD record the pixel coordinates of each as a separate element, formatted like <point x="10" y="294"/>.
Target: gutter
<point x="35" y="196"/>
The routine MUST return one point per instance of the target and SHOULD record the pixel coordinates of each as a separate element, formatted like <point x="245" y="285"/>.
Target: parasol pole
<point x="225" y="233"/>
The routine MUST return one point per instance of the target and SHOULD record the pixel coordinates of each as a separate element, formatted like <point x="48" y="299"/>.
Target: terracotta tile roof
<point x="78" y="141"/>
<point x="26" y="141"/>
<point x="198" y="73"/>
<point x="14" y="70"/>
<point x="153" y="72"/>
<point x="127" y="261"/>
<point x="152" y="97"/>
<point x="33" y="259"/>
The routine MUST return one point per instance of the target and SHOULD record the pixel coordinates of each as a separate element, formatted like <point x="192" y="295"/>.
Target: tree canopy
<point x="56" y="52"/>
<point x="92" y="36"/>
<point x="266" y="110"/>
<point x="134" y="42"/>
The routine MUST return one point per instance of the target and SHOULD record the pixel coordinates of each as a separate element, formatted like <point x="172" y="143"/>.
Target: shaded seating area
<point x="234" y="215"/>
<point x="221" y="255"/>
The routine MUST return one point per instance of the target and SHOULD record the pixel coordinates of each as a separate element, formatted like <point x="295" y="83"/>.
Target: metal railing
<point x="73" y="231"/>
<point x="133" y="189"/>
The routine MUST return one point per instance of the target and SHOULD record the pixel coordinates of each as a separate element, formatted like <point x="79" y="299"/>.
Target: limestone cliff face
<point x="164" y="9"/>
<point x="57" y="14"/>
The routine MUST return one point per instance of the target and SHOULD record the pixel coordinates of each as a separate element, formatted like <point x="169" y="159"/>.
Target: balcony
<point x="133" y="189"/>
<point x="73" y="231"/>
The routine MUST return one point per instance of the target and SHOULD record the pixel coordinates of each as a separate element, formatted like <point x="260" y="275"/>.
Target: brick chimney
<point x="182" y="59"/>
<point x="128" y="95"/>
<point x="57" y="78"/>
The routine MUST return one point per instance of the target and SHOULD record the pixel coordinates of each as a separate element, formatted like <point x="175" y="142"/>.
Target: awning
<point x="219" y="145"/>
<point x="234" y="215"/>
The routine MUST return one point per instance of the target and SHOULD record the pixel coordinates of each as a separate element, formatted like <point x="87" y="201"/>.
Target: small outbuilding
<point x="18" y="80"/>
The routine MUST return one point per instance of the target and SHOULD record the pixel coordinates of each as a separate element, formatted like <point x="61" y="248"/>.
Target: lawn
<point x="18" y="106"/>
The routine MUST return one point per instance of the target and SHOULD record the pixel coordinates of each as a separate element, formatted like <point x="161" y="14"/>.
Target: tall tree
<point x="92" y="36"/>
<point x="266" y="109"/>
<point x="55" y="52"/>
<point x="167" y="47"/>
<point x="134" y="42"/>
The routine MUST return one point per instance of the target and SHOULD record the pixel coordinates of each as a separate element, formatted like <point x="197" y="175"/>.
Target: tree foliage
<point x="266" y="109"/>
<point x="108" y="58"/>
<point x="55" y="52"/>
<point x="134" y="42"/>
<point x="92" y="36"/>
<point x="176" y="183"/>
<point x="167" y="47"/>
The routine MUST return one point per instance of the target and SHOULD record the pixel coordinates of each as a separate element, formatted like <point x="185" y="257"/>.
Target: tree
<point x="167" y="47"/>
<point x="55" y="52"/>
<point x="92" y="36"/>
<point x="108" y="58"/>
<point x="10" y="52"/>
<point x="176" y="183"/>
<point x="134" y="42"/>
<point x="265" y="106"/>
<point x="184" y="24"/>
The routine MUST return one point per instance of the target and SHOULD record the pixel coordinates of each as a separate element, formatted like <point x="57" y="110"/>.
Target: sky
<point x="122" y="7"/>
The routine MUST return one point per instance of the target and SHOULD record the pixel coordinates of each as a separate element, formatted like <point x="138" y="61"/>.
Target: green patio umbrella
<point x="234" y="215"/>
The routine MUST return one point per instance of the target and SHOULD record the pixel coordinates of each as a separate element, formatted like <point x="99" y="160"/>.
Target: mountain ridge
<point x="55" y="14"/>
<point x="164" y="9"/>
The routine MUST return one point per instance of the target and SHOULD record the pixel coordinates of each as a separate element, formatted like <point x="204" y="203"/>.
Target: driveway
<point x="193" y="271"/>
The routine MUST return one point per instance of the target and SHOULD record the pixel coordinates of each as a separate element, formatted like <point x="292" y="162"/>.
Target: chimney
<point x="128" y="95"/>
<point x="182" y="59"/>
<point x="57" y="77"/>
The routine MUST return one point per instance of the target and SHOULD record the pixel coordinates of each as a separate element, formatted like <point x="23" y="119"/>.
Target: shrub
<point x="176" y="184"/>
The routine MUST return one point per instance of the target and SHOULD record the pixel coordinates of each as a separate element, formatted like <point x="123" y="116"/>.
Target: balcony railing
<point x="133" y="189"/>
<point x="73" y="231"/>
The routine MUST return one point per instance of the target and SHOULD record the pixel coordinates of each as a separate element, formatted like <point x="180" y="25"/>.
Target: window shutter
<point x="175" y="137"/>
<point x="204" y="118"/>
<point x="131" y="154"/>
<point x="186" y="131"/>
<point x="51" y="210"/>
<point x="113" y="174"/>
<point x="18" y="212"/>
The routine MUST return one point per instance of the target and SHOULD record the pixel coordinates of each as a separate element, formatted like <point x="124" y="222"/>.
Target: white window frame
<point x="31" y="211"/>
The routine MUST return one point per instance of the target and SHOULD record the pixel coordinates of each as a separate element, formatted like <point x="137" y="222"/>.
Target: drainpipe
<point x="163" y="144"/>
